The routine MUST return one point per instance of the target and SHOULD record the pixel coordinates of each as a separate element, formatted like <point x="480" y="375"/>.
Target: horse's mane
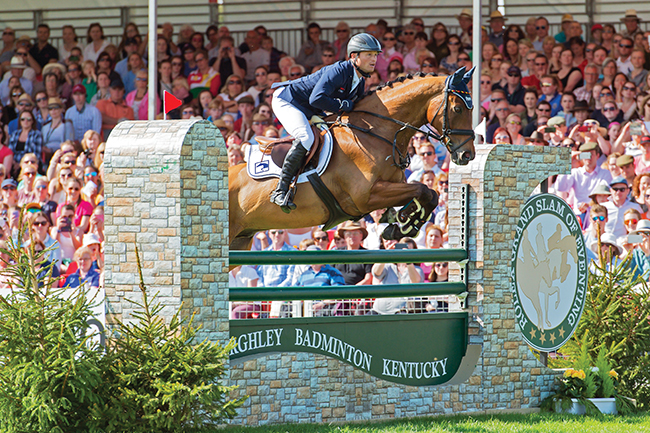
<point x="399" y="80"/>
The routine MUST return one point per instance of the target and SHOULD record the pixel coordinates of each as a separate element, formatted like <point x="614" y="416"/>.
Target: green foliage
<point x="153" y="377"/>
<point x="616" y="318"/>
<point x="605" y="376"/>
<point x="49" y="367"/>
<point x="159" y="379"/>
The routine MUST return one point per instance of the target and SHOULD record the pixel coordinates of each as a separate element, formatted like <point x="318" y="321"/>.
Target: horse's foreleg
<point x="419" y="202"/>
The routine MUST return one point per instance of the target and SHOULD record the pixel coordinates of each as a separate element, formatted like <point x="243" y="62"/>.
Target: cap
<point x="556" y="120"/>
<point x="588" y="146"/>
<point x="567" y="17"/>
<point x="624" y="160"/>
<point x="596" y="27"/>
<point x="91" y="239"/>
<point x="246" y="100"/>
<point x="117" y="84"/>
<point x="32" y="207"/>
<point x="55" y="101"/>
<point x="645" y="139"/>
<point x="79" y="88"/>
<point x="514" y="70"/>
<point x="618" y="179"/>
<point x="17" y="63"/>
<point x="9" y="182"/>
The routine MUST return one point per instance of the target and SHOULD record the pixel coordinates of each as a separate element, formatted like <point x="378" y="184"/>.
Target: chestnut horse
<point x="366" y="170"/>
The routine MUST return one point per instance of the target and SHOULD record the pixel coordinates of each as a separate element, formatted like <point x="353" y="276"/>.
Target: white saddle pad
<point x="261" y="166"/>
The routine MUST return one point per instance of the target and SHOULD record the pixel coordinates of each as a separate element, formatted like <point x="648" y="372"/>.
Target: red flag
<point x="171" y="102"/>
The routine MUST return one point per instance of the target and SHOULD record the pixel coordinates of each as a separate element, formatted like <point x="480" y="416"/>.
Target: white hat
<point x="17" y="63"/>
<point x="643" y="226"/>
<point x="91" y="239"/>
<point x="607" y="238"/>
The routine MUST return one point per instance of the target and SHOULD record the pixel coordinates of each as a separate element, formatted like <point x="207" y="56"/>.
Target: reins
<point x="399" y="159"/>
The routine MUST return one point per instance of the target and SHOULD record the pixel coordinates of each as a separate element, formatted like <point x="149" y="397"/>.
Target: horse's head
<point x="453" y="117"/>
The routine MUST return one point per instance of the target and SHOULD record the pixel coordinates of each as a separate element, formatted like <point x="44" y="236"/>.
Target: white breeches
<point x="293" y="120"/>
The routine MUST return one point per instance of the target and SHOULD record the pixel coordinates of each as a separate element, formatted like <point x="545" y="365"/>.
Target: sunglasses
<point x="609" y="109"/>
<point x="30" y="173"/>
<point x="7" y="33"/>
<point x="630" y="89"/>
<point x="588" y="50"/>
<point x="619" y="188"/>
<point x="41" y="187"/>
<point x="53" y="107"/>
<point x="427" y="65"/>
<point x="544" y="109"/>
<point x="442" y="265"/>
<point x="40" y="223"/>
<point x="625" y="46"/>
<point x="546" y="84"/>
<point x="463" y="59"/>
<point x="200" y="59"/>
<point x="411" y="33"/>
<point x="344" y="31"/>
<point x="188" y="112"/>
<point x="426" y="154"/>
<point x="16" y="94"/>
<point x="453" y="43"/>
<point x="70" y="161"/>
<point x="140" y="79"/>
<point x="502" y="137"/>
<point x="321" y="238"/>
<point x="21" y="54"/>
<point x="73" y="189"/>
<point x="177" y="64"/>
<point x="540" y="27"/>
<point x="9" y="188"/>
<point x="24" y="104"/>
<point x="278" y="232"/>
<point x="494" y="59"/>
<point x="502" y="109"/>
<point x="598" y="218"/>
<point x="514" y="122"/>
<point x="105" y="59"/>
<point x="513" y="75"/>
<point x="389" y="39"/>
<point x="631" y="221"/>
<point x="234" y="82"/>
<point x="73" y="70"/>
<point x="443" y="182"/>
<point x="92" y="174"/>
<point x="261" y="74"/>
<point x="25" y="119"/>
<point x="486" y="82"/>
<point x="540" y="64"/>
<point x="328" y="55"/>
<point x="605" y="94"/>
<point x="41" y="99"/>
<point x="295" y="74"/>
<point x="419" y="137"/>
<point x="497" y="99"/>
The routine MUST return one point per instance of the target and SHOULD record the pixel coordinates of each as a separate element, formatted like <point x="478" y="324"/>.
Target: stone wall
<point x="166" y="189"/>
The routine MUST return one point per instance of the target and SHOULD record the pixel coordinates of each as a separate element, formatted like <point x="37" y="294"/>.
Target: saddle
<point x="279" y="147"/>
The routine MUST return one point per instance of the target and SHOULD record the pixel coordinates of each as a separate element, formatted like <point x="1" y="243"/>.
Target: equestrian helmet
<point x="363" y="42"/>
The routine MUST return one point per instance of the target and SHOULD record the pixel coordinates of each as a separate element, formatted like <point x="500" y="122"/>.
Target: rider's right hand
<point x="347" y="105"/>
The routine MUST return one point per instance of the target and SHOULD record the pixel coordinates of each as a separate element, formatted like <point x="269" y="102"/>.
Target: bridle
<point x="403" y="161"/>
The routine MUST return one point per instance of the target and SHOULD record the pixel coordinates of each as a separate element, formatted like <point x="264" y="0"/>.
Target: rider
<point x="334" y="89"/>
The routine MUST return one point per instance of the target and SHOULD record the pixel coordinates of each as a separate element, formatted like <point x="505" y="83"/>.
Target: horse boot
<point x="282" y="196"/>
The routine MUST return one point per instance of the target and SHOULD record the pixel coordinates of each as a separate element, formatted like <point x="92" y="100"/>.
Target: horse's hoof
<point x="391" y="233"/>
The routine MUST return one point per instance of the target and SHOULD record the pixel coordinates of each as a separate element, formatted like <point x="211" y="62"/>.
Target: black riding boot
<point x="282" y="196"/>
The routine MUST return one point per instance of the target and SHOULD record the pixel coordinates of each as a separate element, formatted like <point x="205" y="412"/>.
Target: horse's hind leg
<point x="419" y="202"/>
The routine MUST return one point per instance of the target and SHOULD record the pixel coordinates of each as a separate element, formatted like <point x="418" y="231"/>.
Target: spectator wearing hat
<point x="465" y="23"/>
<point x="583" y="179"/>
<point x="94" y="243"/>
<point x="597" y="33"/>
<point x="631" y="21"/>
<point x="114" y="110"/>
<point x="353" y="233"/>
<point x="9" y="192"/>
<point x="497" y="21"/>
<point x="83" y="116"/>
<point x="642" y="162"/>
<point x="514" y="90"/>
<point x="57" y="130"/>
<point x="536" y="139"/>
<point x="24" y="103"/>
<point x="610" y="250"/>
<point x="626" y="164"/>
<point x="16" y="69"/>
<point x="561" y="37"/>
<point x="259" y="124"/>
<point x="42" y="51"/>
<point x="618" y="205"/>
<point x="557" y="135"/>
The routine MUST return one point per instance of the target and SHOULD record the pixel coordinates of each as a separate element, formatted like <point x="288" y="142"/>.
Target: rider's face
<point x="366" y="61"/>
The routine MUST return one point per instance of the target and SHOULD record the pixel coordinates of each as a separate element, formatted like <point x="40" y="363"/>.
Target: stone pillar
<point x="501" y="178"/>
<point x="166" y="187"/>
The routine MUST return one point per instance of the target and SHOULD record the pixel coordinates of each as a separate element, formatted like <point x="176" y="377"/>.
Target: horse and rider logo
<point x="549" y="272"/>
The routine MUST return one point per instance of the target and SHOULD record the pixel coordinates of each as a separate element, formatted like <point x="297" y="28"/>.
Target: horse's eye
<point x="458" y="109"/>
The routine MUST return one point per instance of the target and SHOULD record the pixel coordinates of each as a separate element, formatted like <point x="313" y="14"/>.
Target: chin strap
<point x="363" y="74"/>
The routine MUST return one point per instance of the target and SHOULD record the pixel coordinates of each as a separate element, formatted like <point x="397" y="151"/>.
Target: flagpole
<point x="153" y="64"/>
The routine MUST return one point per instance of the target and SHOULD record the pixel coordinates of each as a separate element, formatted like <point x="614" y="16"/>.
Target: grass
<point x="547" y="423"/>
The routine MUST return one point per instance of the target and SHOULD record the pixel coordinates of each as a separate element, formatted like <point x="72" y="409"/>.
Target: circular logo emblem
<point x="548" y="272"/>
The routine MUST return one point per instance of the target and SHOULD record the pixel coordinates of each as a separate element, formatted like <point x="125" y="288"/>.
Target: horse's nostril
<point x="466" y="156"/>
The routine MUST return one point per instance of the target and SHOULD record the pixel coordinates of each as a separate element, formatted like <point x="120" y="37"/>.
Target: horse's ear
<point x="458" y="75"/>
<point x="468" y="75"/>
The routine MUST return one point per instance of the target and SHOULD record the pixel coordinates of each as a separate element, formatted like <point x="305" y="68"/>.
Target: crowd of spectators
<point x="583" y="88"/>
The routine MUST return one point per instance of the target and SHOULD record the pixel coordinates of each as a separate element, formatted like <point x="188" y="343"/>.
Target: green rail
<point x="332" y="257"/>
<point x="346" y="292"/>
